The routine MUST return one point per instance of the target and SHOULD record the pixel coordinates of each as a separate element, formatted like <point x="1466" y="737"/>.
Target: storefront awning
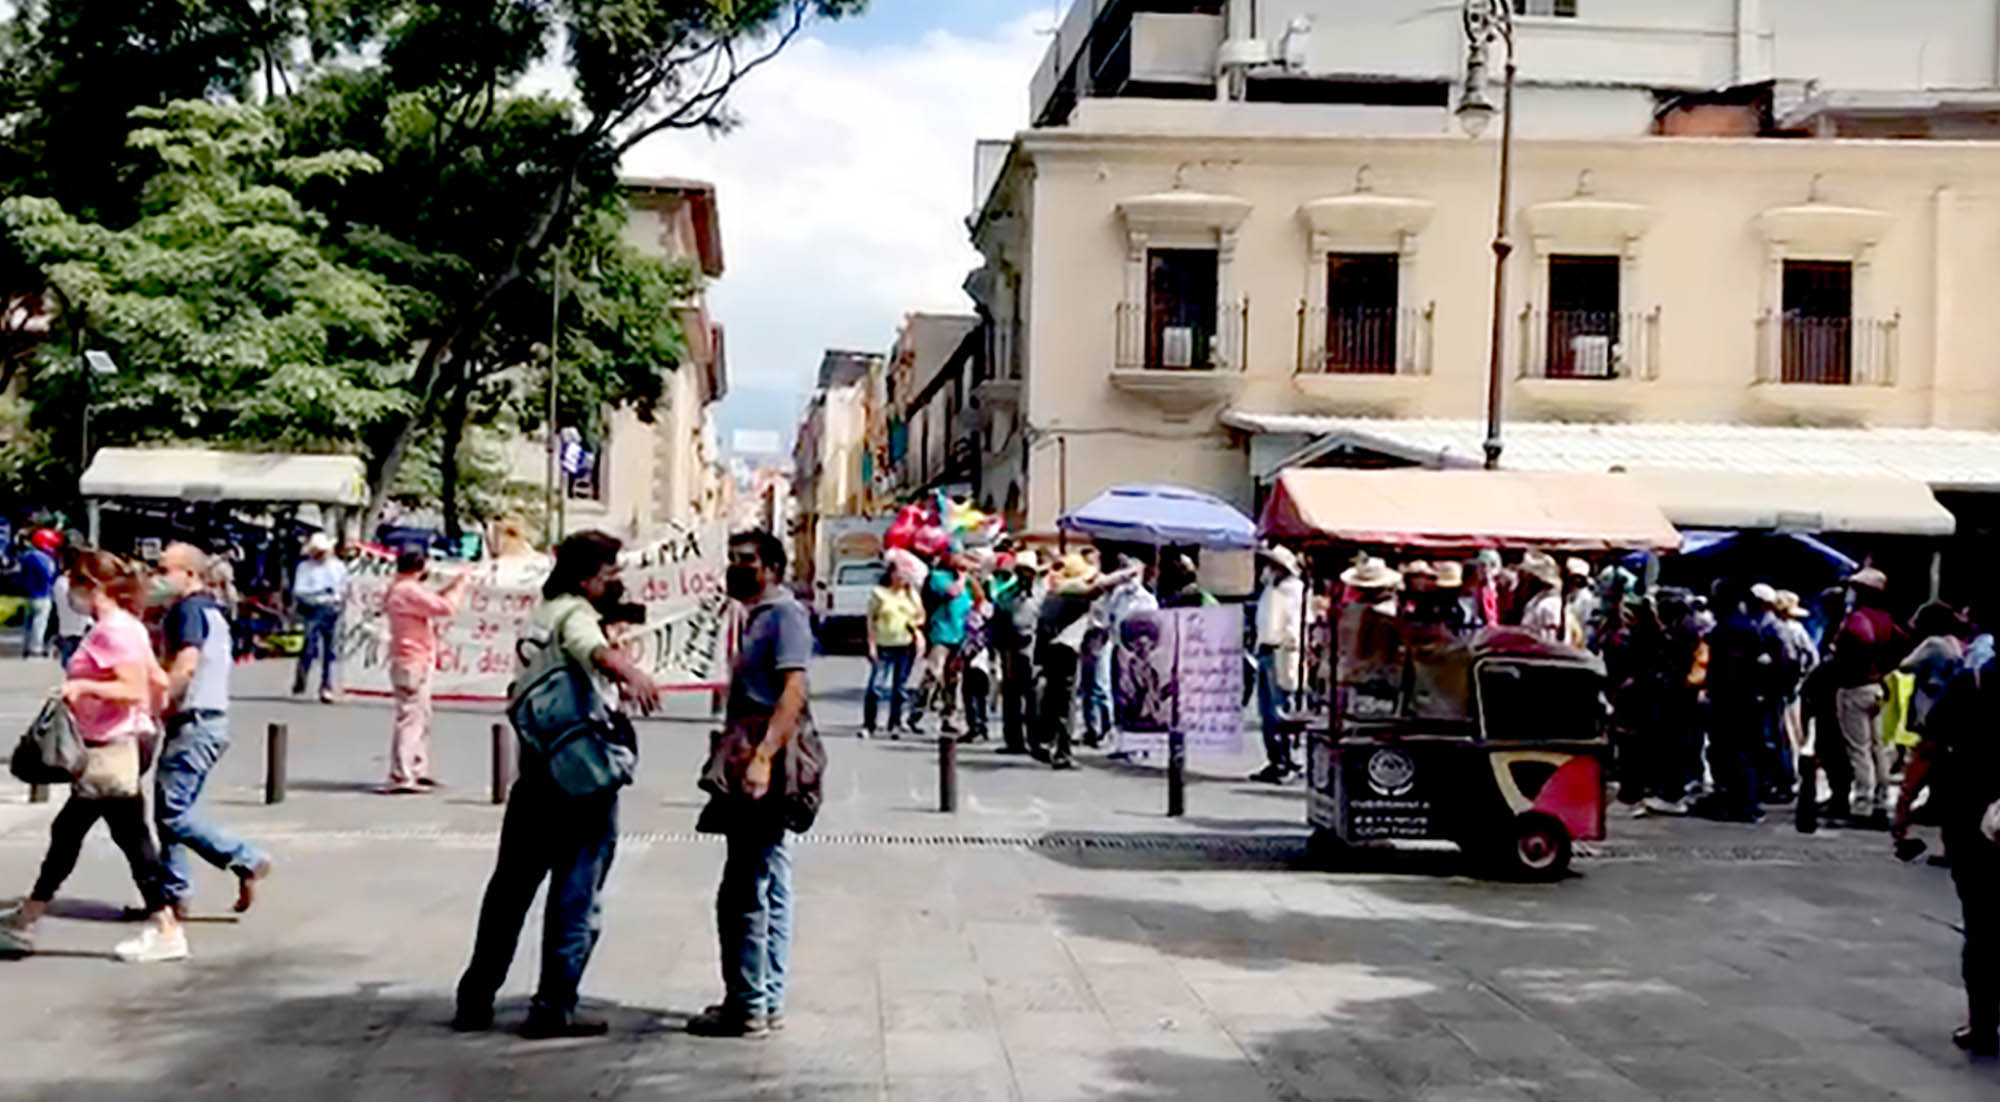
<point x="1457" y="510"/>
<point x="1796" y="502"/>
<point x="194" y="474"/>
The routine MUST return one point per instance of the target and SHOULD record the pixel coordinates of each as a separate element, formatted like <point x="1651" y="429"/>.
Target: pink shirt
<point x="413" y="609"/>
<point x="116" y="640"/>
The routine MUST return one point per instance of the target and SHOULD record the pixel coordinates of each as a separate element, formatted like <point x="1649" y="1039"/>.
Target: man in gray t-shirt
<point x="198" y="661"/>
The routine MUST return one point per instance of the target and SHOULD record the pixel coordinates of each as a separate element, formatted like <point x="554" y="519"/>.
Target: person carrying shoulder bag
<point x="115" y="692"/>
<point x="562" y="814"/>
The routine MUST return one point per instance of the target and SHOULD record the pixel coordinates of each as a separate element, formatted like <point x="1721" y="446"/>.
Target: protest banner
<point x="684" y="643"/>
<point x="1181" y="668"/>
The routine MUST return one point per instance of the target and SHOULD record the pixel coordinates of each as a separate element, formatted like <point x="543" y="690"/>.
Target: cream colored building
<point x="650" y="476"/>
<point x="1163" y="277"/>
<point x="830" y="467"/>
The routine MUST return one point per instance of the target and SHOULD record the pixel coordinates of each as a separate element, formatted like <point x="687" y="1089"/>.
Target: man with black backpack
<point x="562" y="815"/>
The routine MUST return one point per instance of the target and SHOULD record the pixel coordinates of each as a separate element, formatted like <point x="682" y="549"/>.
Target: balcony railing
<point x="1366" y="340"/>
<point x="1142" y="347"/>
<point x="1827" y="351"/>
<point x="1587" y="344"/>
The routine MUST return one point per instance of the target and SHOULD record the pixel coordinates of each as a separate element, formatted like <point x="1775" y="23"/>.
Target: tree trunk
<point x="457" y="411"/>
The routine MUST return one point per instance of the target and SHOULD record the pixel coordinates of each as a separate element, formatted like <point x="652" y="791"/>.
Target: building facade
<point x="929" y="386"/>
<point x="830" y="476"/>
<point x="1164" y="264"/>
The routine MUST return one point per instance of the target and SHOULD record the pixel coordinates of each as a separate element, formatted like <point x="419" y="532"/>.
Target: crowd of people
<point x="1004" y="620"/>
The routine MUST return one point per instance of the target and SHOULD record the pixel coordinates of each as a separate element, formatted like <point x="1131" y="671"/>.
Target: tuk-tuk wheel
<point x="1539" y="849"/>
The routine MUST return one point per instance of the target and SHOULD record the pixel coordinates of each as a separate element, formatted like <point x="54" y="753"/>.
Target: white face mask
<point x="80" y="603"/>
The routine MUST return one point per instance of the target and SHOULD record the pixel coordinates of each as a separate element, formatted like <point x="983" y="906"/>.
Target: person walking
<point x="1867" y="646"/>
<point x="767" y="722"/>
<point x="320" y="590"/>
<point x="1280" y="624"/>
<point x="1017" y="608"/>
<point x="72" y="618"/>
<point x="548" y="834"/>
<point x="1934" y="664"/>
<point x="895" y="638"/>
<point x="199" y="660"/>
<point x="1959" y="729"/>
<point x="38" y="581"/>
<point x="414" y="611"/>
<point x="114" y="691"/>
<point x="1800" y="658"/>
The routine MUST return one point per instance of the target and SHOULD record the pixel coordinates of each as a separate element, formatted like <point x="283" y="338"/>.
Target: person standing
<point x="895" y="638"/>
<point x="1280" y="624"/>
<point x="1017" y="607"/>
<point x="1745" y="655"/>
<point x="38" y="582"/>
<point x="766" y="717"/>
<point x="114" y="692"/>
<point x="1543" y="613"/>
<point x="1943" y="652"/>
<point x="199" y="660"/>
<point x="1059" y="632"/>
<point x="548" y="834"/>
<point x="320" y="590"/>
<point x="1959" y="731"/>
<point x="950" y="602"/>
<point x="1867" y="646"/>
<point x="72" y="617"/>
<point x="414" y="610"/>
<point x="1122" y="601"/>
<point x="1800" y="658"/>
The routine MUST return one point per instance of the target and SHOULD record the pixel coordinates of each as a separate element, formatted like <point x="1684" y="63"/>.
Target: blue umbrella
<point x="1163" y="515"/>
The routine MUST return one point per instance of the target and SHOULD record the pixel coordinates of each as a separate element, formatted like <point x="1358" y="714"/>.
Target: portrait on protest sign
<point x="1180" y="669"/>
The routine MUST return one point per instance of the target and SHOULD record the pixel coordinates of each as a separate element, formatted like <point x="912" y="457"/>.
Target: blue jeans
<point x="569" y="842"/>
<point x="35" y="627"/>
<point x="753" y="921"/>
<point x="195" y="742"/>
<point x="888" y="677"/>
<point x="322" y="628"/>
<point x="1098" y="720"/>
<point x="1272" y="703"/>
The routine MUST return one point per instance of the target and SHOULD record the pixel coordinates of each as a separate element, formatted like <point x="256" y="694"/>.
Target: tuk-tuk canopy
<point x="1465" y="510"/>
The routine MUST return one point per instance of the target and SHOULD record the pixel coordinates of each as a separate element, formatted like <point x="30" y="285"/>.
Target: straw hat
<point x="1869" y="578"/>
<point x="319" y="543"/>
<point x="1787" y="604"/>
<point x="1074" y="569"/>
<point x="1371" y="573"/>
<point x="1027" y="560"/>
<point x="1542" y="568"/>
<point x="1283" y="558"/>
<point x="1764" y="594"/>
<point x="1418" y="569"/>
<point x="1577" y="568"/>
<point x="1450" y="575"/>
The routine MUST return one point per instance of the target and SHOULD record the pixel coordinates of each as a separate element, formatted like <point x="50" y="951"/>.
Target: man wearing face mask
<point x="198" y="661"/>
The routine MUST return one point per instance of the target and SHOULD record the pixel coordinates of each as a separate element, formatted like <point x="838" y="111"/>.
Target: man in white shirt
<point x="1544" y="614"/>
<point x="320" y="590"/>
<point x="1280" y="609"/>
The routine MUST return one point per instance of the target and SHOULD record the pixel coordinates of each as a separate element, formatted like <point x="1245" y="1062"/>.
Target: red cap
<point x="46" y="539"/>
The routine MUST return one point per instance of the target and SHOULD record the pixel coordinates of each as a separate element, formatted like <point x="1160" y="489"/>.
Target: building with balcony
<point x="931" y="376"/>
<point x="1237" y="220"/>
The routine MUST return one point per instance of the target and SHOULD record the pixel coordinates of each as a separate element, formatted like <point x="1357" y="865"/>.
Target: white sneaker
<point x="153" y="947"/>
<point x="1658" y="806"/>
<point x="16" y="941"/>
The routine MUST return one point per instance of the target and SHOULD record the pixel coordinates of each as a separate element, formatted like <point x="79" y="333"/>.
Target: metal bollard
<point x="1805" y="816"/>
<point x="947" y="774"/>
<point x="503" y="763"/>
<point x="38" y="793"/>
<point x="277" y="745"/>
<point x="1176" y="774"/>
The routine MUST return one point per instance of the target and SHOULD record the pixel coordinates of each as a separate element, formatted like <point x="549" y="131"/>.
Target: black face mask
<point x="743" y="583"/>
<point x="613" y="598"/>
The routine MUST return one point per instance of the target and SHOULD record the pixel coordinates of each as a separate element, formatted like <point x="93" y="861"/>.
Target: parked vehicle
<point x="843" y="608"/>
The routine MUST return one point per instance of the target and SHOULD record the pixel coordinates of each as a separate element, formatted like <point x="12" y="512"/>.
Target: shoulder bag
<point x="51" y="752"/>
<point x="556" y="711"/>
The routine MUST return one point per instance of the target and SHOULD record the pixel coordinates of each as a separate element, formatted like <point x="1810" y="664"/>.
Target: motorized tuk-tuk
<point x="1497" y="741"/>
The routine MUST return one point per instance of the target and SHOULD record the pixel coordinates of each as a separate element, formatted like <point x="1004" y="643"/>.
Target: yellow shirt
<point x="896" y="613"/>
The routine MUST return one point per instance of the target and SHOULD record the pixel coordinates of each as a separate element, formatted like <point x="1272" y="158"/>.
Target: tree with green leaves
<point x="230" y="322"/>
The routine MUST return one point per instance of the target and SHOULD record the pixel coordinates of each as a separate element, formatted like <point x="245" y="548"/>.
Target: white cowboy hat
<point x="1542" y="568"/>
<point x="319" y="543"/>
<point x="1283" y="558"/>
<point x="1870" y="578"/>
<point x="1371" y="574"/>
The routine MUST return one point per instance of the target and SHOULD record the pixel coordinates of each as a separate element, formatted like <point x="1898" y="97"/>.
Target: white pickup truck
<point x="843" y="605"/>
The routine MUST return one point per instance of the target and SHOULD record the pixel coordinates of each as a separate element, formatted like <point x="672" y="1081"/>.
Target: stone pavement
<point x="1056" y="939"/>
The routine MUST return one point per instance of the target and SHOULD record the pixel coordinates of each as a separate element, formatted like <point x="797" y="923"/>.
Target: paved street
<point x="1056" y="939"/>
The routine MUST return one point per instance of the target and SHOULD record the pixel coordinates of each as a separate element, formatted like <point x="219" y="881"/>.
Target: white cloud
<point x="844" y="194"/>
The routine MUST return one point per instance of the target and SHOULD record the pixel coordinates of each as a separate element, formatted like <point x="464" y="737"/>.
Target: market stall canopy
<point x="194" y="474"/>
<point x="1453" y="510"/>
<point x="1163" y="515"/>
<point x="1881" y="505"/>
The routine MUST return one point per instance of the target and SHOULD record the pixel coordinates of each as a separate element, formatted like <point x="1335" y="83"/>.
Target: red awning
<point x="1453" y="510"/>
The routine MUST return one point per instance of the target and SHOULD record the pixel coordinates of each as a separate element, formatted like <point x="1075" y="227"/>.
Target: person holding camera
<point x="414" y="611"/>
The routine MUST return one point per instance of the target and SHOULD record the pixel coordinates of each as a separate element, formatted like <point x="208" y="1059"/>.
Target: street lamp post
<point x="95" y="364"/>
<point x="1487" y="22"/>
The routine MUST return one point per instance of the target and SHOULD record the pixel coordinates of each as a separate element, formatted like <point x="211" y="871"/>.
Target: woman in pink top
<point x="413" y="611"/>
<point x="115" y="691"/>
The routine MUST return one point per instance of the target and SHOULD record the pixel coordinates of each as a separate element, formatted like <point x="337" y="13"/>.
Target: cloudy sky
<point x="844" y="193"/>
